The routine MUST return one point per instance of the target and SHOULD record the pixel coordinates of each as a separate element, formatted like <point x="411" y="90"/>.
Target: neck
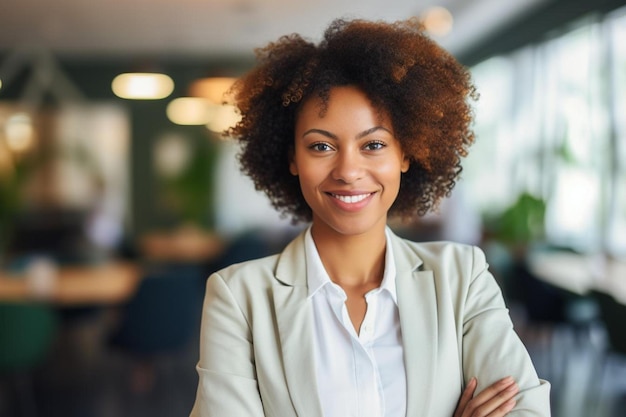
<point x="352" y="260"/>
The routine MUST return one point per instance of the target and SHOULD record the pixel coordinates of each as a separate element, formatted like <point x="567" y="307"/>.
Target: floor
<point x="83" y="379"/>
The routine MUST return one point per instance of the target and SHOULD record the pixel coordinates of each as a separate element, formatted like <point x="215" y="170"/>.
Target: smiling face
<point x="348" y="162"/>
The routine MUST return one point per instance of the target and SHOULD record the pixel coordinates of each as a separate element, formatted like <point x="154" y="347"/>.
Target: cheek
<point x="309" y="179"/>
<point x="390" y="176"/>
<point x="308" y="189"/>
<point x="391" y="171"/>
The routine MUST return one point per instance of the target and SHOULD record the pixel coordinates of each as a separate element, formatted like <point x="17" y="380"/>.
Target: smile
<point x="351" y="199"/>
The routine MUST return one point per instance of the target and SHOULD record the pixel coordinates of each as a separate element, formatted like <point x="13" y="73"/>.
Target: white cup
<point x="41" y="274"/>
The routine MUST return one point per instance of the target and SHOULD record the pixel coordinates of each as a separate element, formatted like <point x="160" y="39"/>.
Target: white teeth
<point x="351" y="198"/>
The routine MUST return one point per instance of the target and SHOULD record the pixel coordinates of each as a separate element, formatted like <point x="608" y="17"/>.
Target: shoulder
<point x="454" y="266"/>
<point x="248" y="278"/>
<point x="440" y="249"/>
<point x="245" y="286"/>
<point x="434" y="255"/>
<point x="253" y="272"/>
<point x="460" y="274"/>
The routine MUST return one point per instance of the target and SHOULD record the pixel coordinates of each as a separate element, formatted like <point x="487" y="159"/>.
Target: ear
<point x="406" y="163"/>
<point x="293" y="168"/>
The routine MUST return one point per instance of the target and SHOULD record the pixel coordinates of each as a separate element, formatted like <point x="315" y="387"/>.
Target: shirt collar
<point x="317" y="277"/>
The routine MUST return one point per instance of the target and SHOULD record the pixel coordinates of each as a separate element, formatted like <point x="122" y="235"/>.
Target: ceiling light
<point x="190" y="111"/>
<point x="142" y="86"/>
<point x="437" y="21"/>
<point x="224" y="117"/>
<point x="213" y="88"/>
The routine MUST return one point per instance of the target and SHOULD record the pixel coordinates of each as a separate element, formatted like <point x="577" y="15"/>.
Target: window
<point x="551" y="121"/>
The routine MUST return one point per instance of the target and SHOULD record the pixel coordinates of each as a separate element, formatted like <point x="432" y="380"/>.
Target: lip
<point x="352" y="200"/>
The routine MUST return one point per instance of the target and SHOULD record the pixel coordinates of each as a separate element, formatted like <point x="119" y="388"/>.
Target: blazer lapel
<point x="418" y="319"/>
<point x="295" y="328"/>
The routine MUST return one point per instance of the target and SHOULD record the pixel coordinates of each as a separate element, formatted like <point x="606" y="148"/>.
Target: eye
<point x="374" y="145"/>
<point x="320" y="147"/>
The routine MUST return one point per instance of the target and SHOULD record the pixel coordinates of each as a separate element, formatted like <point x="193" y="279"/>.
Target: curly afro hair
<point x="421" y="86"/>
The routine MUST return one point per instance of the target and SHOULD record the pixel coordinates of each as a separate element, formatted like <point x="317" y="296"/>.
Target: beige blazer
<point x="256" y="352"/>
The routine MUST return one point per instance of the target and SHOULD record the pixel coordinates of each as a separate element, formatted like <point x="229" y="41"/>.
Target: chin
<point x="350" y="227"/>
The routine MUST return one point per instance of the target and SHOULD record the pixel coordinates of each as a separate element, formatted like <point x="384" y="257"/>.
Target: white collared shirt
<point x="358" y="375"/>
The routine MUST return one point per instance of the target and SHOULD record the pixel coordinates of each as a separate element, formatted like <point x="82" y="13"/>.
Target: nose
<point x="348" y="166"/>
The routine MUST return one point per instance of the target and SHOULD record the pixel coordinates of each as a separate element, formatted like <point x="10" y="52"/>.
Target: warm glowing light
<point x="437" y="21"/>
<point x="224" y="117"/>
<point x="190" y="111"/>
<point x="0" y="84"/>
<point x="19" y="132"/>
<point x="213" y="88"/>
<point x="142" y="86"/>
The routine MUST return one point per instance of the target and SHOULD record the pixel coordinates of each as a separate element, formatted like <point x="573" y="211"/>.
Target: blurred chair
<point x="161" y="319"/>
<point x="558" y="327"/>
<point x="613" y="314"/>
<point x="609" y="388"/>
<point x="555" y="324"/>
<point x="27" y="332"/>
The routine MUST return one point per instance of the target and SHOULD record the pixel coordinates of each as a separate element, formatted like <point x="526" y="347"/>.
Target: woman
<point x="351" y="320"/>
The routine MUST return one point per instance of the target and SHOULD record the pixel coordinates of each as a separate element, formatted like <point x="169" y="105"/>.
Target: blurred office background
<point x="119" y="196"/>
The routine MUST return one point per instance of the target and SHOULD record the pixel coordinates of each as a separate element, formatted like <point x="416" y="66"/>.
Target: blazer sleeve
<point x="492" y="349"/>
<point x="227" y="378"/>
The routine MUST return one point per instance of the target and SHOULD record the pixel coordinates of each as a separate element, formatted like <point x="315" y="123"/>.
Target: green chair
<point x="27" y="332"/>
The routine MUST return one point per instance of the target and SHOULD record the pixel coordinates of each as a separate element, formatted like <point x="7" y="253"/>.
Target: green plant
<point x="189" y="193"/>
<point x="519" y="224"/>
<point x="11" y="181"/>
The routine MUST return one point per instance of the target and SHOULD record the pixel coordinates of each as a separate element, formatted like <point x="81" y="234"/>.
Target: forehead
<point x="342" y="103"/>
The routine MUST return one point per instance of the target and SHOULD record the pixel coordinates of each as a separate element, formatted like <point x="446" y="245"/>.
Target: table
<point x="581" y="274"/>
<point x="107" y="283"/>
<point x="187" y="244"/>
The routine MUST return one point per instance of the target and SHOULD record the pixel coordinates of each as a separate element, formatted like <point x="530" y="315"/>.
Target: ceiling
<point x="165" y="28"/>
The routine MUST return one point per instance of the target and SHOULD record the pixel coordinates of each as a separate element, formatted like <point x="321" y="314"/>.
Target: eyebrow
<point x="358" y="136"/>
